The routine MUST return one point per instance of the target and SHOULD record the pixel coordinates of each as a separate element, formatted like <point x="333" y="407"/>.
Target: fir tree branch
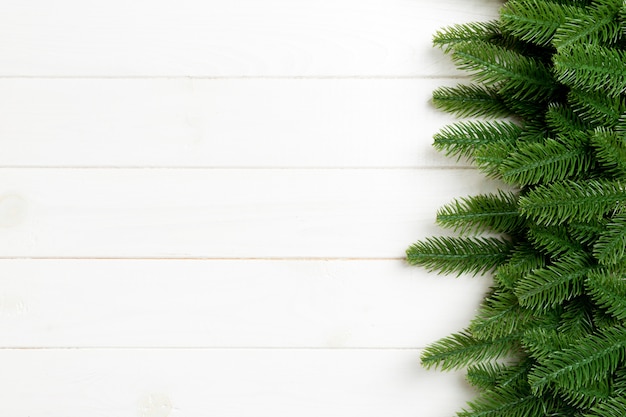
<point x="564" y="122"/>
<point x="486" y="375"/>
<point x="492" y="375"/>
<point x="500" y="315"/>
<point x="610" y="248"/>
<point x="449" y="37"/>
<point x="460" y="255"/>
<point x="588" y="395"/>
<point x="530" y="109"/>
<point x="558" y="305"/>
<point x="610" y="150"/>
<point x="523" y="259"/>
<point x="602" y="320"/>
<point x="607" y="287"/>
<point x="590" y="359"/>
<point x="614" y="406"/>
<point x="495" y="212"/>
<point x="470" y="101"/>
<point x="597" y="24"/>
<point x="553" y="241"/>
<point x="576" y="319"/>
<point x="509" y="402"/>
<point x="535" y="21"/>
<point x="464" y="138"/>
<point x="489" y="158"/>
<point x="587" y="233"/>
<point x="541" y="342"/>
<point x="519" y="76"/>
<point x="461" y="350"/>
<point x="554" y="284"/>
<point x="592" y="68"/>
<point x="596" y="108"/>
<point x="581" y="201"/>
<point x="549" y="161"/>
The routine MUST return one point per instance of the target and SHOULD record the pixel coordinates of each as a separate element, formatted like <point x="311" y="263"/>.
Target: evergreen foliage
<point x="548" y="102"/>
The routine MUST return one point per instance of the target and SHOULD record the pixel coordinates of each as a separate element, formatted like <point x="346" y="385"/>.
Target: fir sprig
<point x="535" y="21"/>
<point x="590" y="360"/>
<point x="551" y="286"/>
<point x="592" y="68"/>
<point x="519" y="76"/>
<point x="488" y="212"/>
<point x="461" y="255"/>
<point x="471" y="101"/>
<point x="462" y="349"/>
<point x="568" y="200"/>
<point x="465" y="138"/>
<point x="607" y="287"/>
<point x="552" y="160"/>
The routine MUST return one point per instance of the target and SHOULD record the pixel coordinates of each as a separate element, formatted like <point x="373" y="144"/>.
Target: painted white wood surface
<point x="220" y="122"/>
<point x="223" y="213"/>
<point x="229" y="303"/>
<point x="229" y="38"/>
<point x="227" y="383"/>
<point x="204" y="207"/>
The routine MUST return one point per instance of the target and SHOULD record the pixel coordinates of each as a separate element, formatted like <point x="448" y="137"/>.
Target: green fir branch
<point x="519" y="76"/>
<point x="449" y="37"/>
<point x="614" y="406"/>
<point x="586" y="233"/>
<point x="591" y="359"/>
<point x="551" y="286"/>
<point x="592" y="68"/>
<point x="490" y="375"/>
<point x="610" y="151"/>
<point x="607" y="288"/>
<point x="461" y="350"/>
<point x="489" y="158"/>
<point x="588" y="395"/>
<point x="598" y="24"/>
<point x="485" y="375"/>
<point x="541" y="342"/>
<point x="523" y="259"/>
<point x="471" y="101"/>
<point x="464" y="138"/>
<point x="602" y="320"/>
<point x="493" y="212"/>
<point x="509" y="402"/>
<point x="557" y="309"/>
<point x="581" y="201"/>
<point x="553" y="241"/>
<point x="576" y="318"/>
<point x="535" y="21"/>
<point x="458" y="255"/>
<point x="549" y="161"/>
<point x="564" y="122"/>
<point x="610" y="248"/>
<point x="500" y="315"/>
<point x="596" y="108"/>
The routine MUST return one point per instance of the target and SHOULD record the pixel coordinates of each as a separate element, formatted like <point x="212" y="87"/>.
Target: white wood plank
<point x="323" y="304"/>
<point x="226" y="383"/>
<point x="222" y="213"/>
<point x="220" y="123"/>
<point x="234" y="38"/>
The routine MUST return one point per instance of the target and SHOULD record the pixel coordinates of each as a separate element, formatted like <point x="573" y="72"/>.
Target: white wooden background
<point x="204" y="206"/>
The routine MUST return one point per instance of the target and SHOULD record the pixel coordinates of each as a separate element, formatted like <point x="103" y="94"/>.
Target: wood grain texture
<point x="221" y="213"/>
<point x="204" y="205"/>
<point x="228" y="383"/>
<point x="220" y="123"/>
<point x="314" y="304"/>
<point x="234" y="38"/>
